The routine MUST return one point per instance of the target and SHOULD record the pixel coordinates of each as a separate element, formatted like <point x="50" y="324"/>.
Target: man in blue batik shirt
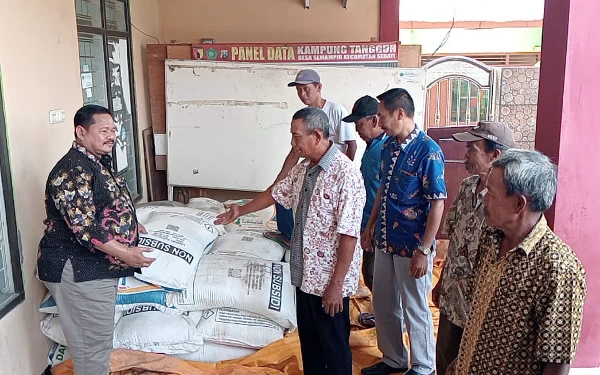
<point x="364" y="116"/>
<point x="405" y="219"/>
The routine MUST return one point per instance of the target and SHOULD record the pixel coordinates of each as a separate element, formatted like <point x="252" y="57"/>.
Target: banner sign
<point x="303" y="53"/>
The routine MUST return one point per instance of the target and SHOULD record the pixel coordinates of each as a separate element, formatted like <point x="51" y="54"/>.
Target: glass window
<point x="115" y="15"/>
<point x="88" y="13"/>
<point x="106" y="79"/>
<point x="93" y="70"/>
<point x="120" y="89"/>
<point x="11" y="281"/>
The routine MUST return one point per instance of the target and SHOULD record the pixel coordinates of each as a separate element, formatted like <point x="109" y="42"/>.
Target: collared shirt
<point x="86" y="205"/>
<point x="527" y="306"/>
<point x="412" y="175"/>
<point x="369" y="168"/>
<point x="333" y="208"/>
<point x="463" y="225"/>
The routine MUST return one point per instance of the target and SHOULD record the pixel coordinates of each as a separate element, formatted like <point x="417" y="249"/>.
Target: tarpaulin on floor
<point x="279" y="358"/>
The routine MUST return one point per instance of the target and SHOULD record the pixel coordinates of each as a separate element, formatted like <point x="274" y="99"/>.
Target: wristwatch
<point x="425" y="250"/>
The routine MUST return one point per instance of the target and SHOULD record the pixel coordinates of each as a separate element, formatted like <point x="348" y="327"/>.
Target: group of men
<point x="511" y="295"/>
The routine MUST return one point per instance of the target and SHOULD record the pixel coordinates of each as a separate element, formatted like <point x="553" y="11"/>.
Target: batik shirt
<point x="412" y="174"/>
<point x="369" y="167"/>
<point x="527" y="306"/>
<point x="333" y="208"/>
<point x="463" y="225"/>
<point x="87" y="205"/>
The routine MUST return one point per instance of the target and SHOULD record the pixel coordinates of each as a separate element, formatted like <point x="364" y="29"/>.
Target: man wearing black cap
<point x="463" y="225"/>
<point x="364" y="116"/>
<point x="308" y="86"/>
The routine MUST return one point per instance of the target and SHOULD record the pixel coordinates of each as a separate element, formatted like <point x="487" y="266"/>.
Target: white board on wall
<point x="228" y="124"/>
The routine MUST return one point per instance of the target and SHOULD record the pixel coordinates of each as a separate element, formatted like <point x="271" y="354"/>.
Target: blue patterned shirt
<point x="369" y="167"/>
<point x="412" y="174"/>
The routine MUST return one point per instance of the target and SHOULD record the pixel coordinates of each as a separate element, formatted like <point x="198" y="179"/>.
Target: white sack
<point x="258" y="221"/>
<point x="48" y="305"/>
<point x="178" y="241"/>
<point x="248" y="244"/>
<point x="238" y="328"/>
<point x="58" y="354"/>
<point x="132" y="292"/>
<point x="211" y="353"/>
<point x="145" y="211"/>
<point x="52" y="329"/>
<point x="288" y="255"/>
<point x="206" y="204"/>
<point x="147" y="329"/>
<point x="254" y="285"/>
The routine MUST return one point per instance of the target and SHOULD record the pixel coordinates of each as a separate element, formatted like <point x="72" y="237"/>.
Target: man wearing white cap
<point x="308" y="86"/>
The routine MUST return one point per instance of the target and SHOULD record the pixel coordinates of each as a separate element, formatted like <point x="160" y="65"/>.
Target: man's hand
<point x="134" y="256"/>
<point x="366" y="239"/>
<point x="232" y="213"/>
<point x="450" y="370"/>
<point x="419" y="265"/>
<point x="435" y="294"/>
<point x="333" y="299"/>
<point x="142" y="229"/>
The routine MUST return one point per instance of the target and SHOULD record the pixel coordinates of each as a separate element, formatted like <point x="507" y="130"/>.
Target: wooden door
<point x="454" y="153"/>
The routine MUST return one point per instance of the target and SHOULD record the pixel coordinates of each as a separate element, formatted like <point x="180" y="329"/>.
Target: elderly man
<point x="308" y="86"/>
<point x="90" y="240"/>
<point x="527" y="304"/>
<point x="463" y="225"/>
<point x="364" y="116"/>
<point x="408" y="208"/>
<point x="328" y="195"/>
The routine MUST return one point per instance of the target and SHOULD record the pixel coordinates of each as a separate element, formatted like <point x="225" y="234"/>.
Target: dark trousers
<point x="368" y="267"/>
<point x="324" y="340"/>
<point x="448" y="343"/>
<point x="285" y="221"/>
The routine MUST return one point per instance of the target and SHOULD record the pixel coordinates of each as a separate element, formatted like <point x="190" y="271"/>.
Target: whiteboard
<point x="228" y="124"/>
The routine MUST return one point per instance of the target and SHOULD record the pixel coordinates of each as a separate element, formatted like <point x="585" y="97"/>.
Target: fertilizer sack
<point x="249" y="244"/>
<point x="235" y="327"/>
<point x="178" y="241"/>
<point x="207" y="205"/>
<point x="148" y="329"/>
<point x="258" y="286"/>
<point x="58" y="354"/>
<point x="132" y="292"/>
<point x="212" y="353"/>
<point x="145" y="212"/>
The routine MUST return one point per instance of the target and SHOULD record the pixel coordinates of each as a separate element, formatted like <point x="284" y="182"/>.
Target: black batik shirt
<point x="87" y="205"/>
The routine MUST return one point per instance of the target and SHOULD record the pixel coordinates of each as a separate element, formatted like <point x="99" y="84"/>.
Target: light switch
<point x="57" y="116"/>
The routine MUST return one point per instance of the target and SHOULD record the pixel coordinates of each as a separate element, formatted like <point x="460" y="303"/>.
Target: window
<point x="106" y="75"/>
<point x="456" y="101"/>
<point x="11" y="281"/>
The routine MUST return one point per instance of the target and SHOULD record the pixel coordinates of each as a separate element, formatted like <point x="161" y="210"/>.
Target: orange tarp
<point x="279" y="358"/>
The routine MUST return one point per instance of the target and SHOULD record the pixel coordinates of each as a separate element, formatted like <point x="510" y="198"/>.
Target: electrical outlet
<point x="57" y="116"/>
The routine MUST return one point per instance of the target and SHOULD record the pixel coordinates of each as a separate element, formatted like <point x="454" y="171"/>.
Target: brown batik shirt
<point x="527" y="306"/>
<point x="463" y="225"/>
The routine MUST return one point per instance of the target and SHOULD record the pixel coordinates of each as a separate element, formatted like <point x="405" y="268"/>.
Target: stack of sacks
<point x="201" y="302"/>
<point x="245" y="237"/>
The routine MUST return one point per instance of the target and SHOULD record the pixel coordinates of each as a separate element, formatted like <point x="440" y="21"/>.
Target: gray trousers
<point x="400" y="299"/>
<point x="87" y="316"/>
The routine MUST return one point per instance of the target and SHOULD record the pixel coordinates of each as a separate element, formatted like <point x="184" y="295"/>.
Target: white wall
<point x="40" y="71"/>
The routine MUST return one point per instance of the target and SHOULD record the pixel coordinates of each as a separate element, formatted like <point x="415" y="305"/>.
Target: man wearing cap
<point x="463" y="225"/>
<point x="308" y="86"/>
<point x="364" y="116"/>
